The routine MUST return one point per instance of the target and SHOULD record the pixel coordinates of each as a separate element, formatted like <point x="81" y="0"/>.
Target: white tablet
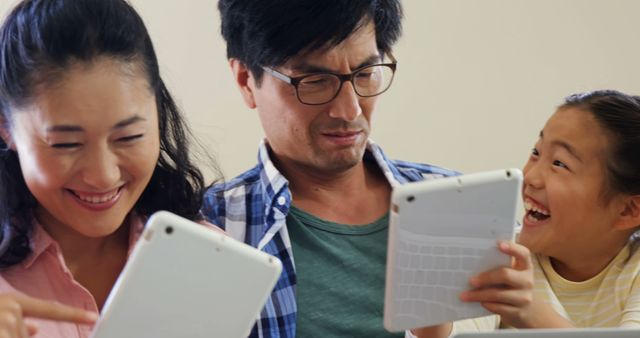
<point x="557" y="333"/>
<point x="184" y="280"/>
<point x="442" y="232"/>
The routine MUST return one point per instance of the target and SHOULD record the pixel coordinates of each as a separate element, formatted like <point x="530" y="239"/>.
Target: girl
<point x="91" y="144"/>
<point x="582" y="199"/>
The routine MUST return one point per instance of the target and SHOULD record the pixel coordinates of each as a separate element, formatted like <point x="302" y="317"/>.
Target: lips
<point x="96" y="201"/>
<point x="342" y="133"/>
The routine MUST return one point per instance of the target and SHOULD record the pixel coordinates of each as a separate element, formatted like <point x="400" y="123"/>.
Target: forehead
<point x="359" y="46"/>
<point x="104" y="86"/>
<point x="578" y="128"/>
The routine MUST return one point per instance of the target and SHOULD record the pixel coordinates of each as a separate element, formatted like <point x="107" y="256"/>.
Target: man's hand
<point x="14" y="308"/>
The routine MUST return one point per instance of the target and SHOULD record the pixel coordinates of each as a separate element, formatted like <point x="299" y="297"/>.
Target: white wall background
<point x="476" y="79"/>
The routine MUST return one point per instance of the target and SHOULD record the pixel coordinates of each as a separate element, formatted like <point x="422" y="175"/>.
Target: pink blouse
<point x="44" y="275"/>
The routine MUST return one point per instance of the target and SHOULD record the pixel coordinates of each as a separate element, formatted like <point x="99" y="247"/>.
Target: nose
<point x="533" y="174"/>
<point x="346" y="105"/>
<point x="101" y="169"/>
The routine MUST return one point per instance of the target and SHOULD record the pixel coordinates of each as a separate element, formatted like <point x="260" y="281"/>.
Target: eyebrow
<point x="566" y="146"/>
<point x="309" y="68"/>
<point x="68" y="128"/>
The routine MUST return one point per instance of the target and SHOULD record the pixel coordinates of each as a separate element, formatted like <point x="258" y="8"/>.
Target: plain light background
<point x="476" y="80"/>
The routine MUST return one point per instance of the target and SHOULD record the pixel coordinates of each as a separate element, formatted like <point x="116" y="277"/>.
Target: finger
<point x="32" y="329"/>
<point x="23" y="329"/>
<point x="11" y="320"/>
<point x="32" y="307"/>
<point x="521" y="255"/>
<point x="5" y="332"/>
<point x="514" y="298"/>
<point x="501" y="309"/>
<point x="502" y="277"/>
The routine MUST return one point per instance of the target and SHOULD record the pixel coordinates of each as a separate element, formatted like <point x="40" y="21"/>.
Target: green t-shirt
<point x="340" y="273"/>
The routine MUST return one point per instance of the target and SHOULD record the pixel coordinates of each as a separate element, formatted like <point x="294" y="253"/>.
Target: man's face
<point x="329" y="138"/>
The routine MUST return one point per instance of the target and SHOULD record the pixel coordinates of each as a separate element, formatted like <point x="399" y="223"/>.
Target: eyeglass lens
<point x="322" y="88"/>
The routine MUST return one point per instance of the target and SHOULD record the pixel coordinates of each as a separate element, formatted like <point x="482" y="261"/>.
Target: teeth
<point x="529" y="206"/>
<point x="97" y="199"/>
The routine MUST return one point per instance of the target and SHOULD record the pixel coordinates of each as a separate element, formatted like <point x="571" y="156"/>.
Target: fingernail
<point x="92" y="316"/>
<point x="464" y="296"/>
<point x="504" y="245"/>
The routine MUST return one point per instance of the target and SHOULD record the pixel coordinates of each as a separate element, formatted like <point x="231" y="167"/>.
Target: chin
<point x="339" y="165"/>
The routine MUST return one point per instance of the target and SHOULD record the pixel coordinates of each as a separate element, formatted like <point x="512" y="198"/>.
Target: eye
<point x="534" y="152"/>
<point x="66" y="145"/>
<point x="366" y="74"/>
<point x="559" y="163"/>
<point x="314" y="82"/>
<point x="130" y="138"/>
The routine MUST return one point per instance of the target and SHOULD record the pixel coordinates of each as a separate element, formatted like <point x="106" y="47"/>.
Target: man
<point x="319" y="197"/>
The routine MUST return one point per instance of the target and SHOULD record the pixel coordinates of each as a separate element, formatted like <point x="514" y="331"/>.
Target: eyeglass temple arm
<point x="391" y="57"/>
<point x="277" y="74"/>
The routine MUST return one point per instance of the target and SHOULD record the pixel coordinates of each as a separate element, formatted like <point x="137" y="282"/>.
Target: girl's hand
<point x="14" y="308"/>
<point x="508" y="291"/>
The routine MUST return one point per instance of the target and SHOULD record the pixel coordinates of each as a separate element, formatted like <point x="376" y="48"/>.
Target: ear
<point x="629" y="217"/>
<point x="245" y="81"/>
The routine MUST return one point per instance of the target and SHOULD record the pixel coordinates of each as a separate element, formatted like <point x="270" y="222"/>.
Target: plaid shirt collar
<point x="277" y="195"/>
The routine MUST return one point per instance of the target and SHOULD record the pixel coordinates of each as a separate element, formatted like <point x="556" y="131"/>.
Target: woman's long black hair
<point x="39" y="40"/>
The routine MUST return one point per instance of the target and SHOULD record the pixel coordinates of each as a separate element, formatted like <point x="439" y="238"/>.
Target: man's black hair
<point x="269" y="33"/>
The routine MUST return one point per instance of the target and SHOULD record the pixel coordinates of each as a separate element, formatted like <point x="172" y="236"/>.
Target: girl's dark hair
<point x="39" y="40"/>
<point x="619" y="115"/>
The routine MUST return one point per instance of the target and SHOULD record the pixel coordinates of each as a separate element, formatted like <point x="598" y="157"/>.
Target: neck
<point x="77" y="248"/>
<point x="357" y="195"/>
<point x="94" y="263"/>
<point x="590" y="264"/>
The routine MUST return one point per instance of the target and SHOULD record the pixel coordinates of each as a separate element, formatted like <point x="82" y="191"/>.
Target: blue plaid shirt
<point x="253" y="208"/>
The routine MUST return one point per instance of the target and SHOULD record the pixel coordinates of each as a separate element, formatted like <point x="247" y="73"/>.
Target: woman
<point x="91" y="144"/>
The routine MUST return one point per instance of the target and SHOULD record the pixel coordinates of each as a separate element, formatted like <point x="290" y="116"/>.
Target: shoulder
<point x="224" y="197"/>
<point x="421" y="171"/>
<point x="249" y="178"/>
<point x="404" y="171"/>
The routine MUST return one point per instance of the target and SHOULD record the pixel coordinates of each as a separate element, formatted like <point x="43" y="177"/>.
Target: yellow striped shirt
<point x="609" y="299"/>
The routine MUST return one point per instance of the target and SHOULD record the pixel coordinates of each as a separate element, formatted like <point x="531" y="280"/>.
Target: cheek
<point x="44" y="172"/>
<point x="367" y="106"/>
<point x="142" y="159"/>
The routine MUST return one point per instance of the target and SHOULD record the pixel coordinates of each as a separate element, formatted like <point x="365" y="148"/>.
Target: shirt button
<point x="282" y="200"/>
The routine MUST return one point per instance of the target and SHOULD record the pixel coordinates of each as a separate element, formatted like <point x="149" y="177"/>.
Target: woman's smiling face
<point x="88" y="145"/>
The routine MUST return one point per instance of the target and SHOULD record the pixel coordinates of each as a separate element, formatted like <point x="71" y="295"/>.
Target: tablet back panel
<point x="442" y="232"/>
<point x="184" y="280"/>
<point x="556" y="333"/>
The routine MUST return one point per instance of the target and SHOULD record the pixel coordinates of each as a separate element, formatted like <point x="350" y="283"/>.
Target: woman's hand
<point x="14" y="308"/>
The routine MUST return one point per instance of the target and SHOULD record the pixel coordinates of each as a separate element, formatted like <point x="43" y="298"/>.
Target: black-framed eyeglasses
<point x="321" y="88"/>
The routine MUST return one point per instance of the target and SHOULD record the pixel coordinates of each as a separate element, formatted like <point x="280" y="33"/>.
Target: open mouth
<point x="535" y="211"/>
<point x="96" y="199"/>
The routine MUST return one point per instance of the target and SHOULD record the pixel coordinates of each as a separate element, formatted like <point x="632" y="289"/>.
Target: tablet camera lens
<point x="411" y="198"/>
<point x="168" y="230"/>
